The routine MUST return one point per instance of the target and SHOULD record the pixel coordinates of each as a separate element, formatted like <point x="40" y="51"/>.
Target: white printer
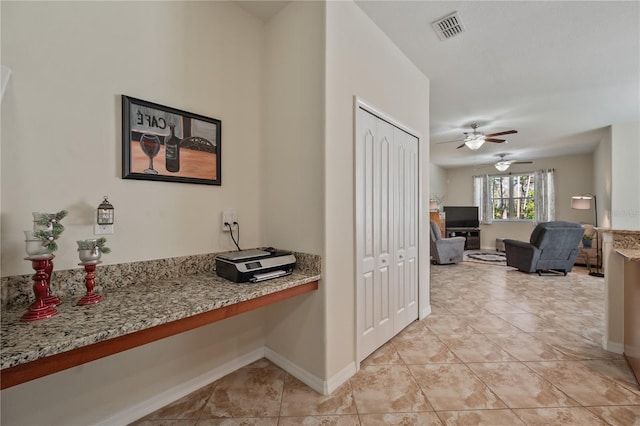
<point x="254" y="264"/>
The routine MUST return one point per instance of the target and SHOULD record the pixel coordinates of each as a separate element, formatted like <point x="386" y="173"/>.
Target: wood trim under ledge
<point x="52" y="364"/>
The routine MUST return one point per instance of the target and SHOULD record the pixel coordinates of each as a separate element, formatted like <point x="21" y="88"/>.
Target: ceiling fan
<point x="502" y="165"/>
<point x="475" y="139"/>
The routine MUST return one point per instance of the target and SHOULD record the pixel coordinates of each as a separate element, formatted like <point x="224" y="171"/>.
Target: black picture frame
<point x="170" y="145"/>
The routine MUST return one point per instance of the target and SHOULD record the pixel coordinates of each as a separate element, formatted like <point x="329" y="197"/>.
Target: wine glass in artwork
<point x="150" y="145"/>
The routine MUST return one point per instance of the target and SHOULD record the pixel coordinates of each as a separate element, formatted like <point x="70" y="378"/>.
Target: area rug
<point x="486" y="256"/>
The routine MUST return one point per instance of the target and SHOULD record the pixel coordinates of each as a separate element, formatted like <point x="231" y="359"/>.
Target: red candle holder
<point x="90" y="282"/>
<point x="39" y="309"/>
<point x="50" y="299"/>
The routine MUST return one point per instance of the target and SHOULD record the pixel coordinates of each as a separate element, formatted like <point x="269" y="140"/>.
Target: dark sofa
<point x="553" y="246"/>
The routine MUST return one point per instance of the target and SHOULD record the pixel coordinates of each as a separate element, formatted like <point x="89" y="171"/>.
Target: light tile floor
<point x="500" y="348"/>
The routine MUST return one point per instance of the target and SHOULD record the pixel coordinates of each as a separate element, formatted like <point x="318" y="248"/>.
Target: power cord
<point x="238" y="227"/>
<point x="231" y="232"/>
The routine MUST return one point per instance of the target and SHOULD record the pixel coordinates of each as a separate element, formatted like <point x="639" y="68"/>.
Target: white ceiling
<point x="558" y="72"/>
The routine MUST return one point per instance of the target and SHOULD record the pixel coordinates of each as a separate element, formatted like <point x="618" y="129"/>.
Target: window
<point x="512" y="197"/>
<point x="518" y="197"/>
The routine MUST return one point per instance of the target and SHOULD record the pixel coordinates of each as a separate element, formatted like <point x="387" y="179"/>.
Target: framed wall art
<point x="167" y="144"/>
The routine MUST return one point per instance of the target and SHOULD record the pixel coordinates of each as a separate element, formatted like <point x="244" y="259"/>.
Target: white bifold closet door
<point x="386" y="230"/>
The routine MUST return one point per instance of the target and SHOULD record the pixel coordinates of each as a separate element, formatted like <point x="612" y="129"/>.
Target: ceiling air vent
<point x="449" y="26"/>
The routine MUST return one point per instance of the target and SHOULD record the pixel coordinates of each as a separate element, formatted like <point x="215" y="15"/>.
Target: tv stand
<point x="472" y="236"/>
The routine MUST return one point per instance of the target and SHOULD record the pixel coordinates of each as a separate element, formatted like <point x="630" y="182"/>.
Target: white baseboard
<point x="296" y="371"/>
<point x="339" y="379"/>
<point x="140" y="410"/>
<point x="321" y="386"/>
<point x="425" y="312"/>
<point x="167" y="397"/>
<point x="615" y="347"/>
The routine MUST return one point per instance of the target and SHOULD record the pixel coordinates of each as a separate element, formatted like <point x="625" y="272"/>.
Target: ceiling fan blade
<point x="494" y="140"/>
<point x="506" y="132"/>
<point x="461" y="146"/>
<point x="454" y="140"/>
<point x="522" y="162"/>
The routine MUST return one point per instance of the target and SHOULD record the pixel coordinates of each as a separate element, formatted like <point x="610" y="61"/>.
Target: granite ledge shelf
<point x="131" y="308"/>
<point x="632" y="255"/>
<point x="18" y="289"/>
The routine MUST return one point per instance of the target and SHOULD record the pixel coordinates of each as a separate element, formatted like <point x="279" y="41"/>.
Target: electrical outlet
<point x="229" y="216"/>
<point x="102" y="229"/>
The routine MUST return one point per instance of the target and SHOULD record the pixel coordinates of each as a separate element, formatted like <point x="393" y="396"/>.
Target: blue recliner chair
<point x="553" y="246"/>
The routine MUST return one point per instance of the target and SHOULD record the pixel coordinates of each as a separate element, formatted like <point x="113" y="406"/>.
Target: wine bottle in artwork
<point x="172" y="150"/>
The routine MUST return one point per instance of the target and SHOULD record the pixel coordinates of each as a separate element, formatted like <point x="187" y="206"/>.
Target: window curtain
<point x="482" y="198"/>
<point x="545" y="196"/>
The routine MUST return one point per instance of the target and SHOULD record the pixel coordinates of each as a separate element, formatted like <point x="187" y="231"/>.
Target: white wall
<point x="361" y="61"/>
<point x="61" y="127"/>
<point x="292" y="196"/>
<point x="625" y="196"/>
<point x="573" y="176"/>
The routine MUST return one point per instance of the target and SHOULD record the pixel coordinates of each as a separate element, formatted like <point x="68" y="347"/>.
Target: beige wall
<point x="61" y="150"/>
<point x="622" y="149"/>
<point x="438" y="183"/>
<point x="361" y="61"/>
<point x="61" y="125"/>
<point x="602" y="179"/>
<point x="625" y="197"/>
<point x="573" y="176"/>
<point x="292" y="168"/>
<point x="61" y="132"/>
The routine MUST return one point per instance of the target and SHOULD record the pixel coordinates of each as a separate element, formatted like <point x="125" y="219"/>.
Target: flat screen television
<point x="461" y="217"/>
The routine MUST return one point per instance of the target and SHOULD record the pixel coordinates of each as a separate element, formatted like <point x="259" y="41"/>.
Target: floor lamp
<point x="583" y="202"/>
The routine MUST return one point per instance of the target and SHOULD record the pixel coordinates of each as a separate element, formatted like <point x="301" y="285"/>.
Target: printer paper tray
<point x="269" y="275"/>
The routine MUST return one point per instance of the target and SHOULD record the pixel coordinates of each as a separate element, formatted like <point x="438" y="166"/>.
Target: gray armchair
<point x="445" y="250"/>
<point x="553" y="246"/>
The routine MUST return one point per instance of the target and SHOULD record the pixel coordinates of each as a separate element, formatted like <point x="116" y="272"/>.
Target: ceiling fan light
<point x="474" y="144"/>
<point x="502" y="165"/>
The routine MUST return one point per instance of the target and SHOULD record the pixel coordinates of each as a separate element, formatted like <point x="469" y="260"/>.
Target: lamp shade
<point x="581" y="202"/>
